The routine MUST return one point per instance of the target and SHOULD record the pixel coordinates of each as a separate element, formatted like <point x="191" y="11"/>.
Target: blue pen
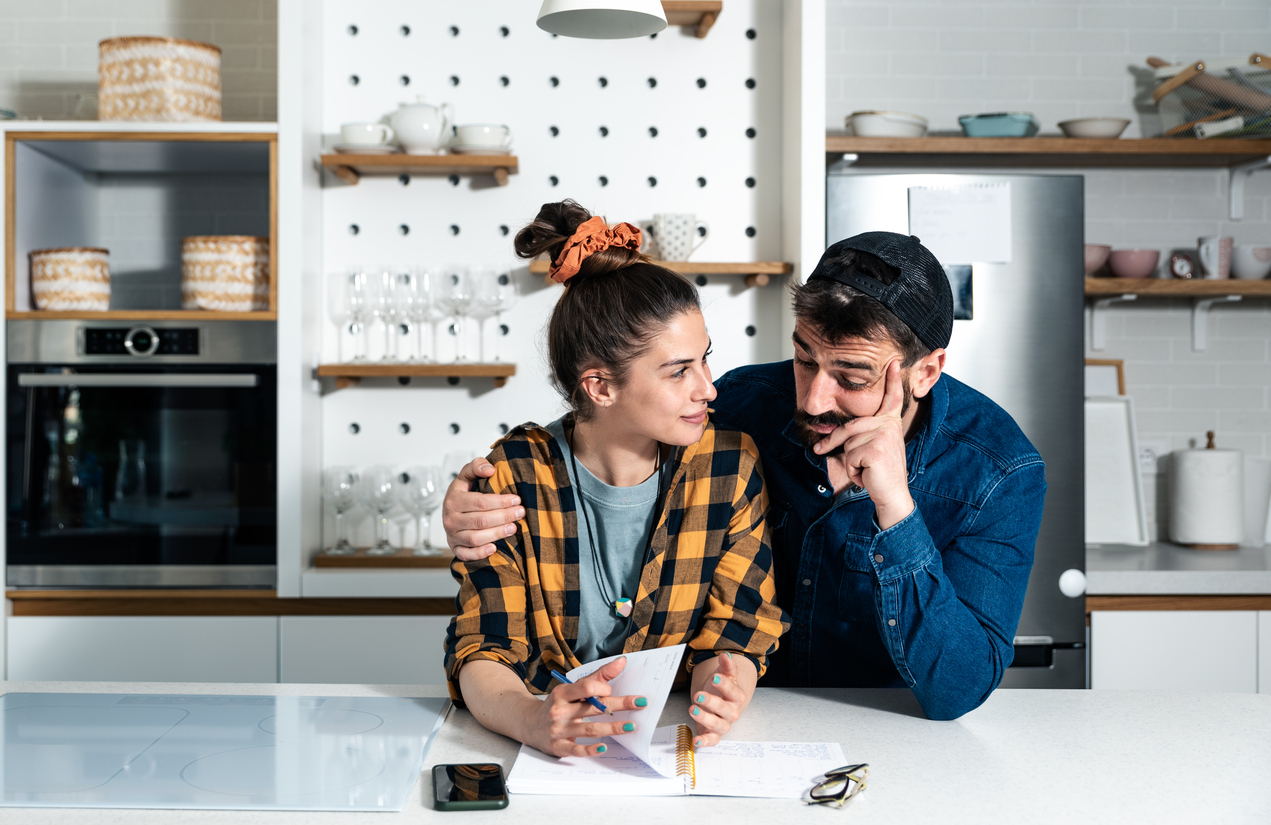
<point x="593" y="701"/>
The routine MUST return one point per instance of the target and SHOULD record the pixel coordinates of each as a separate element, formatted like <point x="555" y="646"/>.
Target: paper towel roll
<point x="1207" y="497"/>
<point x="1257" y="501"/>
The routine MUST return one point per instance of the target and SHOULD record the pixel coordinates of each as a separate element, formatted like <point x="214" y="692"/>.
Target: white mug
<point x="483" y="136"/>
<point x="366" y="134"/>
<point x="1215" y="256"/>
<point x="1251" y="262"/>
<point x="677" y="234"/>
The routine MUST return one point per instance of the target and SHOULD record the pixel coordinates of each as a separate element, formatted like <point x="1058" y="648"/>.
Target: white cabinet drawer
<point x="371" y="650"/>
<point x="1264" y="651"/>
<point x="1174" y="650"/>
<point x="143" y="648"/>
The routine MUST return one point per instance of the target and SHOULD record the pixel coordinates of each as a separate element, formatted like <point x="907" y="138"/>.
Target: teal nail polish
<point x="701" y="697"/>
<point x="697" y="711"/>
<point x="716" y="680"/>
<point x="628" y="727"/>
<point x="601" y="749"/>
<point x="642" y="702"/>
<point x="729" y="655"/>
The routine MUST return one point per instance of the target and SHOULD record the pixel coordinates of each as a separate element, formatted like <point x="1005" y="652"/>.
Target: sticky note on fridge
<point x="968" y="223"/>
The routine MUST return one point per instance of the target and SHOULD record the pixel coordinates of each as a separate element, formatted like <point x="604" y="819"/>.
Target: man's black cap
<point x="921" y="297"/>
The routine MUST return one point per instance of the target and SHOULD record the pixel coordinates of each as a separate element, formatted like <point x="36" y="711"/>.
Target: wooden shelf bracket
<point x="1099" y="319"/>
<point x="1200" y="318"/>
<point x="1236" y="177"/>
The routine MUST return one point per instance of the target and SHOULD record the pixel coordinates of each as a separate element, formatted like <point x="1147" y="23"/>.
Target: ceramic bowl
<point x="1000" y="124"/>
<point x="1094" y="127"/>
<point x="1250" y="262"/>
<point x="1096" y="255"/>
<point x="1133" y="263"/>
<point x="887" y="124"/>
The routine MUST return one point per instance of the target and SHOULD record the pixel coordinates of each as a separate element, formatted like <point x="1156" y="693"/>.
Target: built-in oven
<point x="141" y="454"/>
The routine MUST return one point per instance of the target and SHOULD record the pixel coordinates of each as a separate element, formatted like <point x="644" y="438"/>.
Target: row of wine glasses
<point x="419" y="490"/>
<point x="405" y="304"/>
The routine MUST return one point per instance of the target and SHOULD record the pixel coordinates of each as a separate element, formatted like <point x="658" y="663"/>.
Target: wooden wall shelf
<point x="348" y="375"/>
<point x="403" y="558"/>
<point x="1177" y="287"/>
<point x="1048" y="151"/>
<point x="351" y="167"/>
<point x="192" y="315"/>
<point x="697" y="14"/>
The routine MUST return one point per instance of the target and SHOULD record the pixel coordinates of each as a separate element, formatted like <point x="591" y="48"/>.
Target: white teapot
<point x="422" y="129"/>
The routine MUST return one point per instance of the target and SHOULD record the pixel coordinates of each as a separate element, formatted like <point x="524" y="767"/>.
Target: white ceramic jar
<point x="421" y="128"/>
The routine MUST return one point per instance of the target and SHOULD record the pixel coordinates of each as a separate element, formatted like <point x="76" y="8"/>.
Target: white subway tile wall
<point x="1062" y="60"/>
<point x="48" y="49"/>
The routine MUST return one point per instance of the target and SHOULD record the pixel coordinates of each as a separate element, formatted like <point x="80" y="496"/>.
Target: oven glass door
<point x="126" y="466"/>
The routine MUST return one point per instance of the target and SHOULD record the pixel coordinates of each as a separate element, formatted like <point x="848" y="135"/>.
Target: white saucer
<point x="366" y="149"/>
<point x="460" y="149"/>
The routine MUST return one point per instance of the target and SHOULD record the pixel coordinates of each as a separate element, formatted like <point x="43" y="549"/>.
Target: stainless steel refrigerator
<point x="1018" y="340"/>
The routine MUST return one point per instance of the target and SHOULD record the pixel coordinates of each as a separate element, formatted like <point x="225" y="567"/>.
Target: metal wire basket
<point x="1223" y="98"/>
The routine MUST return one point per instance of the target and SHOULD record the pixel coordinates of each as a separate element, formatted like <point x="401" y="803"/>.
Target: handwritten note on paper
<point x="969" y="223"/>
<point x="648" y="673"/>
<point x="774" y="770"/>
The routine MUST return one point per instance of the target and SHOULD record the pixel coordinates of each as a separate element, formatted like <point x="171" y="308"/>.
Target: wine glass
<point x="498" y="293"/>
<point x="346" y="304"/>
<point x="379" y="303"/>
<point x="407" y="296"/>
<point x="379" y="493"/>
<point x="485" y="300"/>
<point x="421" y="491"/>
<point x="340" y="488"/>
<point x="456" y="299"/>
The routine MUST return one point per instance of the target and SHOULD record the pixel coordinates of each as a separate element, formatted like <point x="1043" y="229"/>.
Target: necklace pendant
<point x="622" y="607"/>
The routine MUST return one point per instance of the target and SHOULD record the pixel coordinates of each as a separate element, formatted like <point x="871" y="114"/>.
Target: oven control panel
<point x="141" y="341"/>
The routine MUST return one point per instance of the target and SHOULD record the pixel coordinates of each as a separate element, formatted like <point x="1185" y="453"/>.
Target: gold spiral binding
<point x="685" y="763"/>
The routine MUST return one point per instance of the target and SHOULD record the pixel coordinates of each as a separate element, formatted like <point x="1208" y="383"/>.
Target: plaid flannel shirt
<point x="706" y="580"/>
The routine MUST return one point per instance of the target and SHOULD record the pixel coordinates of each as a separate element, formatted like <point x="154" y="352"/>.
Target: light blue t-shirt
<point x="621" y="517"/>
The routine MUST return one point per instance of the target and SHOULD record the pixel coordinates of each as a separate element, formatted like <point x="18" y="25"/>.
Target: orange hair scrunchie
<point x="591" y="237"/>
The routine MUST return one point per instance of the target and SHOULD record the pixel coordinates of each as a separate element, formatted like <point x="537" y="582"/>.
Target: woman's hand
<point x="566" y="715"/>
<point x="722" y="688"/>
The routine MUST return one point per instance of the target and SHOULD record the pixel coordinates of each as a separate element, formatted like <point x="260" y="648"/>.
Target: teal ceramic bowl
<point x="1000" y="124"/>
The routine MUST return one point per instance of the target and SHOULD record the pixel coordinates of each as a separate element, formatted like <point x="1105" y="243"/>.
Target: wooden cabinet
<point x="1179" y="650"/>
<point x="143" y="648"/>
<point x="369" y="650"/>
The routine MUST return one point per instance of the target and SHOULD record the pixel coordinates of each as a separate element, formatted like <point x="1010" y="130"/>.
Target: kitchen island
<point x="1032" y="756"/>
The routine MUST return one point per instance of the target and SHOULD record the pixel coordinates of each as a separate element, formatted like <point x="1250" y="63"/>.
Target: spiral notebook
<point x="675" y="768"/>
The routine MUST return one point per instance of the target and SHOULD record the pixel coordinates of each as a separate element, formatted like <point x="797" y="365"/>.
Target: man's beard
<point x="803" y="423"/>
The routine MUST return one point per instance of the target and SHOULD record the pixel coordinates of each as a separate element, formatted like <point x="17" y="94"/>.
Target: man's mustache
<point x="824" y="419"/>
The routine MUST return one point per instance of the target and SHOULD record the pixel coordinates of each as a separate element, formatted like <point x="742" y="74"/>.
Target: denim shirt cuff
<point x="901" y="549"/>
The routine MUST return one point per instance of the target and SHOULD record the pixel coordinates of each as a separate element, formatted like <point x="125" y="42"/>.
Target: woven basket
<point x="227" y="273"/>
<point x="71" y="278"/>
<point x="158" y="78"/>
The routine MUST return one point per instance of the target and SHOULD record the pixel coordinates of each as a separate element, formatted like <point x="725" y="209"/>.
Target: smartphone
<point x="468" y="787"/>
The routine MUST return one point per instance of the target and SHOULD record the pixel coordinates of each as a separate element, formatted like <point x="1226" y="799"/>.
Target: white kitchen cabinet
<point x="1175" y="650"/>
<point x="143" y="648"/>
<point x="369" y="650"/>
<point x="1264" y="651"/>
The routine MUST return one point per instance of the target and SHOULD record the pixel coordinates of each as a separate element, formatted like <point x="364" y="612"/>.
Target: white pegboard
<point x="744" y="45"/>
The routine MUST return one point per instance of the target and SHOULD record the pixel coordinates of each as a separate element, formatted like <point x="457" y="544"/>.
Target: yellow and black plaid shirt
<point x="707" y="580"/>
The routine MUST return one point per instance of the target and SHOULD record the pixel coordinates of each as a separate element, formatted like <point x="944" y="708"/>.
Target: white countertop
<point x="1121" y="569"/>
<point x="1034" y="756"/>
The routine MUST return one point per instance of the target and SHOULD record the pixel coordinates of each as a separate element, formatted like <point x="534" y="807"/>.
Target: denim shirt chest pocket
<point x="855" y="523"/>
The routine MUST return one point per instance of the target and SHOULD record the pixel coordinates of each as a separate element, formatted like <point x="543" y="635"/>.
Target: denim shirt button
<point x="891" y="622"/>
<point x="820" y="488"/>
<point x="878" y="559"/>
<point x="807" y="582"/>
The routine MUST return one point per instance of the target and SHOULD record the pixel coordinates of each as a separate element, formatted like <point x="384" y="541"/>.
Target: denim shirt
<point x="932" y="602"/>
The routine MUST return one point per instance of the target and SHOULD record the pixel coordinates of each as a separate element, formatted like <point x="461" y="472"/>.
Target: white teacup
<point x="677" y="234"/>
<point x="1214" y="252"/>
<point x="366" y="134"/>
<point x="483" y="136"/>
<point x="1251" y="262"/>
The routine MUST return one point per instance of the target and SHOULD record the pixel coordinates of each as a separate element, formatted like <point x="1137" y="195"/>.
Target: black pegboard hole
<point x="354" y="80"/>
<point x="653" y="131"/>
<point x="503" y="429"/>
<point x="454" y="31"/>
<point x="503" y="329"/>
<point x="554" y="80"/>
<point x="701" y="182"/>
<point x="604" y="181"/>
<point x="653" y="181"/>
<point x="653" y="83"/>
<point x="750" y="133"/>
<point x="403" y="229"/>
<point x="554" y="130"/>
<point x="750" y="182"/>
<point x="504" y="279"/>
<point x="454" y="180"/>
<point x="355" y="428"/>
<point x="405" y="30"/>
<point x="701" y="83"/>
<point x="750" y="83"/>
<point x="453" y="329"/>
<point x="701" y="131"/>
<point x="454" y="80"/>
<point x="453" y="380"/>
<point x="352" y="30"/>
<point x="604" y="131"/>
<point x="653" y="36"/>
<point x="701" y="232"/>
<point x="553" y="180"/>
<point x="603" y="81"/>
<point x="504" y="30"/>
<point x="454" y="229"/>
<point x="404" y="80"/>
<point x="751" y="232"/>
<point x="403" y="179"/>
<point x="504" y="80"/>
<point x="700" y="280"/>
<point x="454" y="429"/>
<point x="403" y="329"/>
<point x="354" y="229"/>
<point x="750" y="34"/>
<point x="403" y="427"/>
<point x="503" y="230"/>
<point x="750" y="330"/>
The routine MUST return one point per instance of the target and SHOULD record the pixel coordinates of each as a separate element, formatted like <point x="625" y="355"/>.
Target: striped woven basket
<point x="71" y="278"/>
<point x="226" y="273"/>
<point x="158" y="78"/>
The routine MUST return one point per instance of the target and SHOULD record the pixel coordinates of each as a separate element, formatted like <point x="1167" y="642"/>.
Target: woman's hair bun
<point x="555" y="224"/>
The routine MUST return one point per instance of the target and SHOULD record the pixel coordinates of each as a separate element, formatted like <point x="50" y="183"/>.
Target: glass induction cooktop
<point x="310" y="753"/>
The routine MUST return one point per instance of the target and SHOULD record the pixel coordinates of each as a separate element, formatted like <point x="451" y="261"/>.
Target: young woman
<point x="644" y="525"/>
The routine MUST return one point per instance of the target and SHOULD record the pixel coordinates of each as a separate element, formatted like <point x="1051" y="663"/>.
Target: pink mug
<point x="1215" y="256"/>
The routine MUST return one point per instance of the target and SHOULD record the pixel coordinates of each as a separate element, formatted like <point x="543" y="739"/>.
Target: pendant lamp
<point x="602" y="19"/>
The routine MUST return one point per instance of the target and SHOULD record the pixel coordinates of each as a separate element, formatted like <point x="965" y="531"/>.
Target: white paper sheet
<point x="772" y="770"/>
<point x="617" y="772"/>
<point x="963" y="224"/>
<point x="648" y="673"/>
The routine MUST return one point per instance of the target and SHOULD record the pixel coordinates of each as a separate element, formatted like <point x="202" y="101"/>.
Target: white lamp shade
<point x="602" y="19"/>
